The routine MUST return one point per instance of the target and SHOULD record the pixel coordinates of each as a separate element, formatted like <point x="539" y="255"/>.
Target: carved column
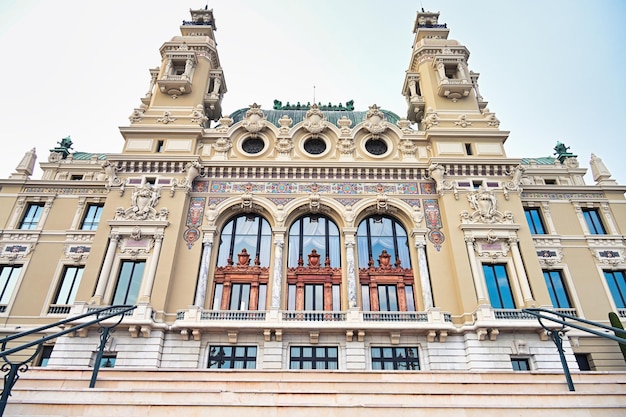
<point x="226" y="296"/>
<point x="479" y="284"/>
<point x="203" y="274"/>
<point x="351" y="268"/>
<point x="103" y="279"/>
<point x="254" y="296"/>
<point x="427" y="292"/>
<point x="521" y="272"/>
<point x="328" y="296"/>
<point x="277" y="282"/>
<point x="146" y="287"/>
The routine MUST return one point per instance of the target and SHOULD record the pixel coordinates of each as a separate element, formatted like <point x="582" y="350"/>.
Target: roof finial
<point x="313" y="93"/>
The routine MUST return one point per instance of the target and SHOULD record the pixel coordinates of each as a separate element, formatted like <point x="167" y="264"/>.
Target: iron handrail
<point x="557" y="334"/>
<point x="12" y="369"/>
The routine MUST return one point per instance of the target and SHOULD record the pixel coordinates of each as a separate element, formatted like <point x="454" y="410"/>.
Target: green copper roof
<point x="297" y="116"/>
<point x="85" y="156"/>
<point x="544" y="160"/>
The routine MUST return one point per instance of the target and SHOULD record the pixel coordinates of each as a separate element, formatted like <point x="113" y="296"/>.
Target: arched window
<point x="313" y="273"/>
<point x="385" y="269"/>
<point x="314" y="232"/>
<point x="241" y="275"/>
<point x="250" y="232"/>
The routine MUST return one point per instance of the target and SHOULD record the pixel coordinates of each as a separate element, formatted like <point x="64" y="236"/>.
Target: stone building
<point x="315" y="236"/>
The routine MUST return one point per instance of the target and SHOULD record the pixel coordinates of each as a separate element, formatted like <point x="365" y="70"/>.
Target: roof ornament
<point x="314" y="120"/>
<point x="375" y="121"/>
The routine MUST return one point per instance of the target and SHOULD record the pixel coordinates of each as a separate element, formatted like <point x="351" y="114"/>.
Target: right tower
<point x="443" y="95"/>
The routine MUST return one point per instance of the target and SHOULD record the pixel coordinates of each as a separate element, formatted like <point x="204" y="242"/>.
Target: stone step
<point x="48" y="392"/>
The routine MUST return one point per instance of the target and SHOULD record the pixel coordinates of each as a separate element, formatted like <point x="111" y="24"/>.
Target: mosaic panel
<point x="280" y="201"/>
<point x="413" y="202"/>
<point x="563" y="196"/>
<point x="196" y="211"/>
<point x="53" y="190"/>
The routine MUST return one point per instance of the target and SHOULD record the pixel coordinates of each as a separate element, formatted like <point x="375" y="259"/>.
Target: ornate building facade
<point x="314" y="236"/>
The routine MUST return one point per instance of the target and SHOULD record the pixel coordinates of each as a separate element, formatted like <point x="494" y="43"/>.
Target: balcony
<point x="454" y="88"/>
<point x="175" y="85"/>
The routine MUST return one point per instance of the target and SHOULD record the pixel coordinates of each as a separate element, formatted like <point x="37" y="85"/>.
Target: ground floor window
<point x="313" y="357"/>
<point x="232" y="357"/>
<point x="395" y="358"/>
<point x="520" y="364"/>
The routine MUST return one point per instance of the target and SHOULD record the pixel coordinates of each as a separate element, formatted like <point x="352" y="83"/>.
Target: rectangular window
<point x="262" y="296"/>
<point x="616" y="281"/>
<point x="556" y="288"/>
<point x="8" y="280"/>
<point x="388" y="298"/>
<point x="232" y="357"/>
<point x="365" y="297"/>
<point x="313" y="357"/>
<point x="128" y="282"/>
<point x="92" y="217"/>
<point x="108" y="360"/>
<point x="66" y="294"/>
<point x="217" y="296"/>
<point x="395" y="358"/>
<point x="31" y="216"/>
<point x="239" y="297"/>
<point x="533" y="217"/>
<point x="46" y="352"/>
<point x="520" y="364"/>
<point x="582" y="359"/>
<point x="594" y="223"/>
<point x="498" y="286"/>
<point x="314" y="297"/>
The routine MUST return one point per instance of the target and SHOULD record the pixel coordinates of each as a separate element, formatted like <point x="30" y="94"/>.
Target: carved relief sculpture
<point x="254" y="121"/>
<point x="314" y="120"/>
<point x="375" y="121"/>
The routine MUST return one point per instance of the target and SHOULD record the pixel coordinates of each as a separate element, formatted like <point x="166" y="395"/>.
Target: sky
<point x="550" y="70"/>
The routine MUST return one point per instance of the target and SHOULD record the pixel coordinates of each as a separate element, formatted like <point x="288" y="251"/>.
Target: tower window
<point x="468" y="149"/>
<point x="159" y="147"/>
<point x="592" y="217"/>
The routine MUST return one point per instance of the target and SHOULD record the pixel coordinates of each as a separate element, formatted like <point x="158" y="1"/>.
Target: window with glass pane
<point x="594" y="223"/>
<point x="533" y="217"/>
<point x="31" y="216"/>
<point x="314" y="297"/>
<point x="44" y="358"/>
<point x="232" y="357"/>
<point x="520" y="364"/>
<point x="556" y="288"/>
<point x="388" y="298"/>
<point x="616" y="281"/>
<point x="8" y="280"/>
<point x="395" y="358"/>
<point x="250" y="232"/>
<point x="313" y="357"/>
<point x="239" y="296"/>
<point x="92" y="217"/>
<point x="498" y="286"/>
<point x="314" y="232"/>
<point x="378" y="233"/>
<point x="128" y="282"/>
<point x="69" y="284"/>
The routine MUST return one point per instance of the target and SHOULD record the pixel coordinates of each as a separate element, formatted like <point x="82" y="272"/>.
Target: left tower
<point x="185" y="93"/>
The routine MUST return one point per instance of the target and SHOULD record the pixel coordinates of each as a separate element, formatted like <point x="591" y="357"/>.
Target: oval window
<point x="253" y="145"/>
<point x="315" y="146"/>
<point x="376" y="146"/>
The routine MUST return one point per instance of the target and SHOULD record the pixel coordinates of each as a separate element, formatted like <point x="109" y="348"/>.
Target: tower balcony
<point x="454" y="88"/>
<point x="175" y="85"/>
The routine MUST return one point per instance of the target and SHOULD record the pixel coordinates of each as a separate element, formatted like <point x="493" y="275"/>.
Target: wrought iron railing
<point x="556" y="332"/>
<point x="96" y="316"/>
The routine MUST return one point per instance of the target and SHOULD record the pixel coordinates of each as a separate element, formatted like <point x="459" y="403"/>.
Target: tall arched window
<point x="314" y="232"/>
<point x="385" y="269"/>
<point x="243" y="260"/>
<point x="313" y="273"/>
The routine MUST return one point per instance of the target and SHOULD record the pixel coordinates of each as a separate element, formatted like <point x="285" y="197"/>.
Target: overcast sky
<point x="550" y="70"/>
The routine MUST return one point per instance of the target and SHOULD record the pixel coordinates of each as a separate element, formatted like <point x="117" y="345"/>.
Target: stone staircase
<point x="181" y="393"/>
